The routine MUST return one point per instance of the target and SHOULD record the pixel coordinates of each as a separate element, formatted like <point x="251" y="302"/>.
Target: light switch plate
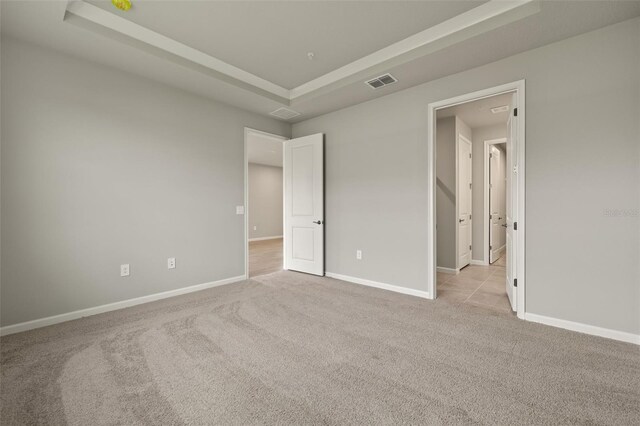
<point x="239" y="209"/>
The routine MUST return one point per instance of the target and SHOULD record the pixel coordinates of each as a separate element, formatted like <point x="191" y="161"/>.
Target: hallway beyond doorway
<point x="480" y="286"/>
<point x="265" y="256"/>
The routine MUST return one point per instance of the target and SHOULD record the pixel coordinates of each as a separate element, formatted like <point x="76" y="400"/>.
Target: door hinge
<point x="469" y="216"/>
<point x="490" y="155"/>
<point x="469" y="186"/>
<point x="469" y="247"/>
<point x="490" y="247"/>
<point x="490" y="216"/>
<point x="515" y="112"/>
<point x="469" y="155"/>
<point x="515" y="226"/>
<point x="515" y="282"/>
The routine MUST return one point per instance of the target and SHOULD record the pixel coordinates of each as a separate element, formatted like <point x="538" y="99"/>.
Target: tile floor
<point x="481" y="286"/>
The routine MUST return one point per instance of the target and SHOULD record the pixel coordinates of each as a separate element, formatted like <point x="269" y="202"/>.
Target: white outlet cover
<point x="359" y="254"/>
<point x="239" y="209"/>
<point x="124" y="270"/>
<point x="171" y="263"/>
<point x="255" y="228"/>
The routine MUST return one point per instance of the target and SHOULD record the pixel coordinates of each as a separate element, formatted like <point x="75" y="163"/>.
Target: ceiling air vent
<point x="499" y="109"/>
<point x="381" y="81"/>
<point x="285" y="113"/>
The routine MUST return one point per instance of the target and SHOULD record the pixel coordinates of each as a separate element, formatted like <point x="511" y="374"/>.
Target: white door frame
<point x="247" y="132"/>
<point x="485" y="189"/>
<point x="518" y="190"/>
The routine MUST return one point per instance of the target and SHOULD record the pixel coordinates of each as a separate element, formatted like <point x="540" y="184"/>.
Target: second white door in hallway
<point x="463" y="205"/>
<point x="497" y="212"/>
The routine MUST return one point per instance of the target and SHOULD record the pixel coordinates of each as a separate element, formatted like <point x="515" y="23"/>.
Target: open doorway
<point x="264" y="202"/>
<point x="478" y="199"/>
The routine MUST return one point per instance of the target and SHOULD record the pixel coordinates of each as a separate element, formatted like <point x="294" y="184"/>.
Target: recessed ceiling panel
<point x="272" y="39"/>
<point x="41" y="23"/>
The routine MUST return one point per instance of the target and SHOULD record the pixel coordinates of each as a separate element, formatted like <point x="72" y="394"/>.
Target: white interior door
<point x="464" y="202"/>
<point x="304" y="204"/>
<point x="495" y="218"/>
<point x="512" y="202"/>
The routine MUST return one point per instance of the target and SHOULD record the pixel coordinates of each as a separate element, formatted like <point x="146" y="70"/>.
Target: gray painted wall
<point x="479" y="247"/>
<point x="446" y="192"/>
<point x="101" y="168"/>
<point x="583" y="159"/>
<point x="265" y="201"/>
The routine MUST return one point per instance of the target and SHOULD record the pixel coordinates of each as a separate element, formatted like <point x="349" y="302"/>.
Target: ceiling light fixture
<point x="499" y="109"/>
<point x="122" y="4"/>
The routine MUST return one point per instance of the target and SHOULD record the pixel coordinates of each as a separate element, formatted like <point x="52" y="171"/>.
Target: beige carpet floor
<point x="290" y="348"/>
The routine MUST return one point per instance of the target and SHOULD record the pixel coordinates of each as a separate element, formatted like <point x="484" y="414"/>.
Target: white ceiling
<point x="269" y="42"/>
<point x="272" y="39"/>
<point x="478" y="113"/>
<point x="557" y="20"/>
<point x="264" y="149"/>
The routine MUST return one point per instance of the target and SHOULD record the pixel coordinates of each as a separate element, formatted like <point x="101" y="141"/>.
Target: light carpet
<point x="290" y="348"/>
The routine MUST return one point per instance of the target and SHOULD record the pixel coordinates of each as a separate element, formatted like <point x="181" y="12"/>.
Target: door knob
<point x="504" y="225"/>
<point x="460" y="220"/>
<point x="318" y="222"/>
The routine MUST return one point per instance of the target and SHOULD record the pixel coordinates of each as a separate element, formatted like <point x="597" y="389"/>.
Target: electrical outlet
<point x="124" y="270"/>
<point x="239" y="209"/>
<point x="255" y="228"/>
<point x="171" y="263"/>
<point x="359" y="254"/>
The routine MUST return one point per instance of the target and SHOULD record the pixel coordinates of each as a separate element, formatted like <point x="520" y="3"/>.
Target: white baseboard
<point x="275" y="237"/>
<point x="584" y="328"/>
<point x="479" y="262"/>
<point x="447" y="270"/>
<point x="384" y="286"/>
<point x="43" y="322"/>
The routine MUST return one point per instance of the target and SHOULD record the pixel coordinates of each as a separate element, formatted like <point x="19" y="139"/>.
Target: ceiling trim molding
<point x="139" y="33"/>
<point x="483" y="18"/>
<point x="466" y="25"/>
